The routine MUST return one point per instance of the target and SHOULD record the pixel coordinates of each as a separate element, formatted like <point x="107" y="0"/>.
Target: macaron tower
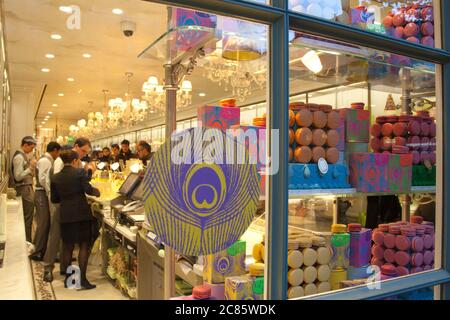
<point x="313" y="133"/>
<point x="405" y="134"/>
<point x="403" y="248"/>
<point x="309" y="270"/>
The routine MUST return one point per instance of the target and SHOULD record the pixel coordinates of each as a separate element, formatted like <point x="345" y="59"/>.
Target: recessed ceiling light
<point x="70" y="79"/>
<point x="117" y="11"/>
<point x="56" y="36"/>
<point x="50" y="112"/>
<point x="50" y="56"/>
<point x="87" y="55"/>
<point x="54" y="105"/>
<point x="61" y="94"/>
<point x="40" y="126"/>
<point x="66" y="9"/>
<point x="45" y="70"/>
<point x="202" y="94"/>
<point x="43" y="122"/>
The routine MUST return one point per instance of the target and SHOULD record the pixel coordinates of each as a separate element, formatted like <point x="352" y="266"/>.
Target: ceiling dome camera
<point x="128" y="28"/>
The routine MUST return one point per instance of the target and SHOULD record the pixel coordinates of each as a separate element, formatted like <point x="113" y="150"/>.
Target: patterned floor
<point x="43" y="290"/>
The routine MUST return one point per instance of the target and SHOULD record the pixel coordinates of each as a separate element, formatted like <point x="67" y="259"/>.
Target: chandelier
<point x="126" y="111"/>
<point x="238" y="77"/>
<point x="155" y="94"/>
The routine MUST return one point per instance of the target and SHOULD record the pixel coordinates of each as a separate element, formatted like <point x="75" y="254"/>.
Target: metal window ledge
<point x="388" y="288"/>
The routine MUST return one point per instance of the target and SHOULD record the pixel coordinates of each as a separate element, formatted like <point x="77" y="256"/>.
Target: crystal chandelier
<point x="155" y="94"/>
<point x="126" y="112"/>
<point x="238" y="77"/>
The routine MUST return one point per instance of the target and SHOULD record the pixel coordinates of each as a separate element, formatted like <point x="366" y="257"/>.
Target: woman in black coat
<point x="69" y="188"/>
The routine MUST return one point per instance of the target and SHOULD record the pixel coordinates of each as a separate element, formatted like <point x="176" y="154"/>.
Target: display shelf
<point x="178" y="43"/>
<point x="300" y="194"/>
<point x="331" y="47"/>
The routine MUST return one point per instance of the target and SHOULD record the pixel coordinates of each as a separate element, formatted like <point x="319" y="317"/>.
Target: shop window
<point x="362" y="171"/>
<point x="412" y="21"/>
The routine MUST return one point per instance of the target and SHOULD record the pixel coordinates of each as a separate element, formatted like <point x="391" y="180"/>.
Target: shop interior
<point x="97" y="69"/>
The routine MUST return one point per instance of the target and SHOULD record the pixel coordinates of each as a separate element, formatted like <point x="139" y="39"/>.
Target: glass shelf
<point x="177" y="43"/>
<point x="331" y="47"/>
<point x="351" y="192"/>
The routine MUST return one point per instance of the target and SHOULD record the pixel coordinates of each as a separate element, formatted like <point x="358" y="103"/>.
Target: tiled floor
<point x="104" y="291"/>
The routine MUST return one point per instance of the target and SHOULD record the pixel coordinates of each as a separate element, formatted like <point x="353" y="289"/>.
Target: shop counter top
<point x="123" y="230"/>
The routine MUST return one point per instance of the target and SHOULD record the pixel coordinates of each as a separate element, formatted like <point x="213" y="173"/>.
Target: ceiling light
<point x="61" y="94"/>
<point x="202" y="94"/>
<point x="65" y="9"/>
<point x="54" y="105"/>
<point x="80" y="91"/>
<point x="45" y="70"/>
<point x="312" y="61"/>
<point x="87" y="55"/>
<point x="70" y="79"/>
<point x="56" y="36"/>
<point x="40" y="126"/>
<point x="117" y="11"/>
<point x="50" y="112"/>
<point x="50" y="56"/>
<point x="43" y="122"/>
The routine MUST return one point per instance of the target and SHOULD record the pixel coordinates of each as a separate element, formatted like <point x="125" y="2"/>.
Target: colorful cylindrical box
<point x="360" y="246"/>
<point x="221" y="118"/>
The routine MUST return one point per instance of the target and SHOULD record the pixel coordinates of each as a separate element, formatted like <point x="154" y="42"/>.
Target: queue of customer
<point x="53" y="191"/>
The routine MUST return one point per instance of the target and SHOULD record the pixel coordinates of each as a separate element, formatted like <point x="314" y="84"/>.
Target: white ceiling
<point x="29" y="24"/>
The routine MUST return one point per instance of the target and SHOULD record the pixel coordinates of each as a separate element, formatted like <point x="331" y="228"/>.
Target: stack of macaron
<point x="260" y="121"/>
<point x="231" y="103"/>
<point x="309" y="269"/>
<point x="402" y="248"/>
<point x="312" y="133"/>
<point x="406" y="134"/>
<point x="414" y="22"/>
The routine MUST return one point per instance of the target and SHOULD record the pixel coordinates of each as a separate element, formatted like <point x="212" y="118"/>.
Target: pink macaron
<point x="389" y="255"/>
<point x="416" y="270"/>
<point x="402" y="258"/>
<point x="427" y="241"/>
<point x="383" y="227"/>
<point x="427" y="267"/>
<point x="378" y="252"/>
<point x="389" y="240"/>
<point x="414" y="142"/>
<point x="416" y="219"/>
<point x="425" y="144"/>
<point x="402" y="243"/>
<point x="416" y="157"/>
<point x="378" y="237"/>
<point x="424" y="129"/>
<point x="417" y="259"/>
<point x="401" y="271"/>
<point x="428" y="257"/>
<point x="417" y="244"/>
<point x="414" y="128"/>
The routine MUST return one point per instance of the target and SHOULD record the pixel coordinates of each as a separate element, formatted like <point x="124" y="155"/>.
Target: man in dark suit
<point x="69" y="189"/>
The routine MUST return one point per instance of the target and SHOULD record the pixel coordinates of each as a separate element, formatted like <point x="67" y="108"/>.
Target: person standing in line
<point x="82" y="146"/>
<point x="69" y="188"/>
<point x="42" y="193"/>
<point x="22" y="171"/>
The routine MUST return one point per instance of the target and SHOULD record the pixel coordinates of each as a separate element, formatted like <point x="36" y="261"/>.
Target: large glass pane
<point x="410" y="20"/>
<point x="362" y="171"/>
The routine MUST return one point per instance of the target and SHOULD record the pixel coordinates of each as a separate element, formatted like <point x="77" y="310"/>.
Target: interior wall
<point x="22" y="116"/>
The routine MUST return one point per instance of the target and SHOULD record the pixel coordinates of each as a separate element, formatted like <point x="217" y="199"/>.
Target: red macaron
<point x="378" y="237"/>
<point x="402" y="243"/>
<point x="402" y="258"/>
<point x="389" y="255"/>
<point x="389" y="240"/>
